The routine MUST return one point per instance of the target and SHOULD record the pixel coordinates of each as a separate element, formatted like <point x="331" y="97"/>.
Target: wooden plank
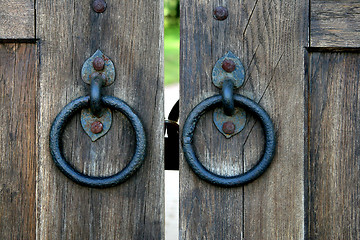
<point x="269" y="37"/>
<point x="17" y="19"/>
<point x="18" y="63"/>
<point x="274" y="204"/>
<point x="130" y="33"/>
<point x="335" y="23"/>
<point x="334" y="173"/>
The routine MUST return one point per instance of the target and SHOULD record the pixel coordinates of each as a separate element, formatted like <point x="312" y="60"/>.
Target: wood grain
<point x="269" y="37"/>
<point x="130" y="33"/>
<point x="334" y="173"/>
<point x="17" y="19"/>
<point x="18" y="75"/>
<point x="335" y="23"/>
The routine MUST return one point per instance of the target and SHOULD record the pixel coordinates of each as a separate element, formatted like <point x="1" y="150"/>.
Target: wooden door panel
<point x="334" y="170"/>
<point x="130" y="34"/>
<point x="17" y="19"/>
<point x="311" y="189"/>
<point x="18" y="165"/>
<point x="269" y="37"/>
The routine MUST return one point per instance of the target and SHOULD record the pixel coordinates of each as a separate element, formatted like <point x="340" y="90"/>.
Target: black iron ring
<point x="57" y="129"/>
<point x="225" y="181"/>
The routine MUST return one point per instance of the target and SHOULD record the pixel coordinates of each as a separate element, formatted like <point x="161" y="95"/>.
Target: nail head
<point x="221" y="13"/>
<point x="228" y="65"/>
<point x="99" y="6"/>
<point x="96" y="127"/>
<point x="98" y="63"/>
<point x="228" y="127"/>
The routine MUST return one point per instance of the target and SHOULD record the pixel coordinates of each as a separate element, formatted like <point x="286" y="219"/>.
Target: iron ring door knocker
<point x="228" y="101"/>
<point x="95" y="101"/>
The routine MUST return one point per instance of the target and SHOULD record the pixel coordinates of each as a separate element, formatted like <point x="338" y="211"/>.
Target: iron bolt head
<point x="221" y="13"/>
<point x="96" y="127"/>
<point x="228" y="127"/>
<point x="99" y="6"/>
<point x="98" y="63"/>
<point x="228" y="65"/>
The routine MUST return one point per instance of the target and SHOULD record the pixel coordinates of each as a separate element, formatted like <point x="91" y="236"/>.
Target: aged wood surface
<point x="335" y="23"/>
<point x="18" y="75"/>
<point x="334" y="173"/>
<point x="17" y="19"/>
<point x="269" y="37"/>
<point x="130" y="33"/>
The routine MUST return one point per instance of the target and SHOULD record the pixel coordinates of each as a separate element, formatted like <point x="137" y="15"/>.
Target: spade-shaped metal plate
<point x="87" y="118"/>
<point x="219" y="74"/>
<point x="108" y="71"/>
<point x="238" y="119"/>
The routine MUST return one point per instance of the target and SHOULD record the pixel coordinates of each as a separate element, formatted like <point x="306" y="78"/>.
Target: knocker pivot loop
<point x="95" y="93"/>
<point x="228" y="97"/>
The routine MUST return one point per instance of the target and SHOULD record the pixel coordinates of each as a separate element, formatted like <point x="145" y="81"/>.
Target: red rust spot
<point x="96" y="127"/>
<point x="98" y="63"/>
<point x="228" y="127"/>
<point x="105" y="58"/>
<point x="228" y="65"/>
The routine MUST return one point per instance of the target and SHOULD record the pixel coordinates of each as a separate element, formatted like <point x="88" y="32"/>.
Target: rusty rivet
<point x="228" y="65"/>
<point x="96" y="127"/>
<point x="221" y="13"/>
<point x="228" y="127"/>
<point x="99" y="6"/>
<point x="98" y="63"/>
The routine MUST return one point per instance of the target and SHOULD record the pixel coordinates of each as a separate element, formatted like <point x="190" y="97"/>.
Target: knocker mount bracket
<point x="228" y="74"/>
<point x="97" y="71"/>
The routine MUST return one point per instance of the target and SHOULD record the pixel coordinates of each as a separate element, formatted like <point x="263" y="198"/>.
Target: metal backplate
<point x="219" y="74"/>
<point x="108" y="71"/>
<point x="87" y="119"/>
<point x="238" y="119"/>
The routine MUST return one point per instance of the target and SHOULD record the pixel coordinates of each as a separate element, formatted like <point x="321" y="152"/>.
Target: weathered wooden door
<point x="302" y="66"/>
<point x="44" y="46"/>
<point x="301" y="61"/>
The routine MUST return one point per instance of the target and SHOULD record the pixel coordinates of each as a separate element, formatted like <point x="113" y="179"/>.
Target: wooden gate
<point x="301" y="61"/>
